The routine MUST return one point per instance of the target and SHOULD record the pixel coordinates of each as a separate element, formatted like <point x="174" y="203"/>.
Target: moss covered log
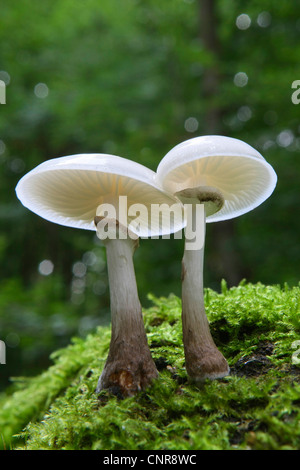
<point x="256" y="327"/>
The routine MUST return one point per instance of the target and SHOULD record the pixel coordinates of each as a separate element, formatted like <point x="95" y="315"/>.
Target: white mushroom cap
<point x="230" y="165"/>
<point x="68" y="191"/>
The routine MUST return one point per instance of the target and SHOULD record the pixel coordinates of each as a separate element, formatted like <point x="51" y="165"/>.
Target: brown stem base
<point x="129" y="369"/>
<point x="205" y="362"/>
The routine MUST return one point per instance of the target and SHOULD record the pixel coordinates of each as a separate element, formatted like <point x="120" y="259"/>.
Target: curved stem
<point x="202" y="357"/>
<point x="129" y="366"/>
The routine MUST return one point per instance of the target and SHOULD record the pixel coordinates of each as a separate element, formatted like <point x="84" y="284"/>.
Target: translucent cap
<point x="69" y="190"/>
<point x="233" y="167"/>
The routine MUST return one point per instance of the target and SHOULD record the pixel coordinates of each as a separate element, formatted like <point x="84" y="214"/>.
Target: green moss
<point x="256" y="407"/>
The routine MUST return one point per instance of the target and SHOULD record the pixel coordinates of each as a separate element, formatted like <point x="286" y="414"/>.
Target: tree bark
<point x="221" y="232"/>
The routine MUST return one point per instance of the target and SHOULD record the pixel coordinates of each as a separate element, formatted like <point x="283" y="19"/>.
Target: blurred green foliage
<point x="126" y="78"/>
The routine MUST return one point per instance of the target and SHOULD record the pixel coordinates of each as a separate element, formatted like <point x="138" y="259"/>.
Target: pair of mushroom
<point x="205" y="179"/>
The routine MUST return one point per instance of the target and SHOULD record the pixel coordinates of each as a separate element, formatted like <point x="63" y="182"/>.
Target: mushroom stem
<point x="129" y="367"/>
<point x="202" y="358"/>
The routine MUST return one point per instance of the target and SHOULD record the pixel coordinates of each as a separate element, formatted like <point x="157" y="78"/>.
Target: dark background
<point x="135" y="78"/>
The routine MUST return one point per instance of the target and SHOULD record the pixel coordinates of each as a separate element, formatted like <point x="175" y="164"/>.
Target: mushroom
<point x="104" y="193"/>
<point x="216" y="178"/>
